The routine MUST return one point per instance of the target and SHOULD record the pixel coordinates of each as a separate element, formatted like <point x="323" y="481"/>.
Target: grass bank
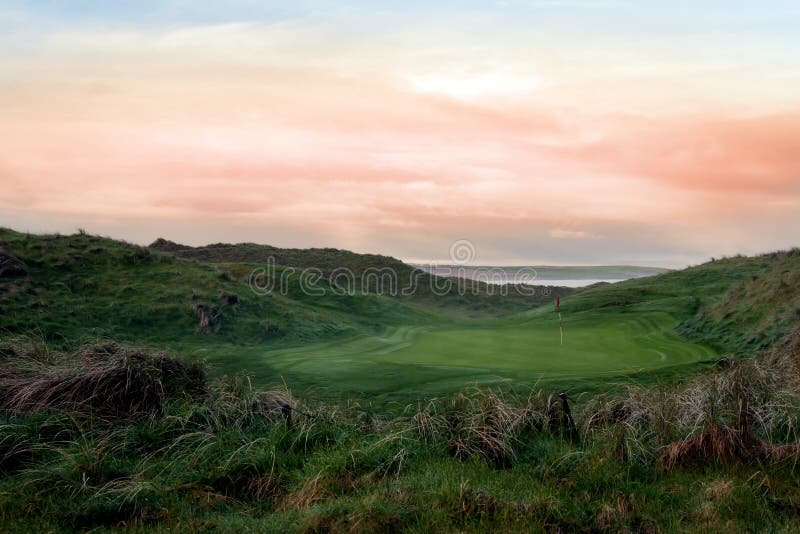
<point x="716" y="454"/>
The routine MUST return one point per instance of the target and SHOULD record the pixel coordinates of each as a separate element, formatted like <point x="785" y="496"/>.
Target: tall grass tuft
<point x="480" y="424"/>
<point x="748" y="410"/>
<point x="104" y="379"/>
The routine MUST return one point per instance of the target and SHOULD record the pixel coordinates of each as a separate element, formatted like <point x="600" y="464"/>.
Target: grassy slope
<point x="224" y="461"/>
<point x="756" y="311"/>
<point x="368" y="271"/>
<point x="737" y="305"/>
<point x="86" y="287"/>
<point x="213" y="464"/>
<point x="615" y="331"/>
<point x="83" y="287"/>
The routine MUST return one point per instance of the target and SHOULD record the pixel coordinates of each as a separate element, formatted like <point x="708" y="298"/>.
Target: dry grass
<point x="103" y="380"/>
<point x="714" y="444"/>
<point x="264" y="487"/>
<point x="311" y="492"/>
<point x="482" y="423"/>
<point x="719" y="488"/>
<point x="747" y="411"/>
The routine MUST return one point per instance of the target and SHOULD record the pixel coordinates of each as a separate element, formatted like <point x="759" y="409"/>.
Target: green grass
<point x="367" y="271"/>
<point x="378" y="453"/>
<point x="383" y="348"/>
<point x="221" y="458"/>
<point x="421" y="361"/>
<point x="754" y="312"/>
<point x="82" y="287"/>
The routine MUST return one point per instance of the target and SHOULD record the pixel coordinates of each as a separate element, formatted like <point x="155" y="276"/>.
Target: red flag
<point x="558" y="303"/>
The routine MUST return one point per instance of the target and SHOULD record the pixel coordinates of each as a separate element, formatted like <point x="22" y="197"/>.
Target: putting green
<point x="438" y="358"/>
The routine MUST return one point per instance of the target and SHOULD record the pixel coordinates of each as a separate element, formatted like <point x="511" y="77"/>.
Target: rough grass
<point x="81" y="287"/>
<point x="104" y="379"/>
<point x="108" y="437"/>
<point x="483" y="299"/>
<point x="84" y="286"/>
<point x="717" y="453"/>
<point x="755" y="312"/>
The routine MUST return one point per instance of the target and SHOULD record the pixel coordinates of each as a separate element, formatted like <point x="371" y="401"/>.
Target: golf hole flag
<point x="560" y="324"/>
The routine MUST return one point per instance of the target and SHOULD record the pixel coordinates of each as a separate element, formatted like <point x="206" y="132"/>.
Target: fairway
<point x="433" y="359"/>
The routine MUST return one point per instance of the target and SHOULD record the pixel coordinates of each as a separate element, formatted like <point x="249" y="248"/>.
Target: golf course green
<point x="424" y="360"/>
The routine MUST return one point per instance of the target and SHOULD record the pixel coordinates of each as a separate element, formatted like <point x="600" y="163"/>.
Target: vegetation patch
<point x="104" y="379"/>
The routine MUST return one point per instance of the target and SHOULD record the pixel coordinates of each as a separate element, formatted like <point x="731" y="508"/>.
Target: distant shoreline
<point x="570" y="276"/>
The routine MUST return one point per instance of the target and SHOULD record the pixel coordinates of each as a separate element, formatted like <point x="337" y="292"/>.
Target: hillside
<point x="756" y="311"/>
<point x="82" y="286"/>
<point x="367" y="273"/>
<point x="198" y="301"/>
<point x="752" y="295"/>
<point x="109" y="436"/>
<point x="68" y="288"/>
<point x="325" y="259"/>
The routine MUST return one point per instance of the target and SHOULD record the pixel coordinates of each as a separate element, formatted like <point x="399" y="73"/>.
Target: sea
<point x="549" y="275"/>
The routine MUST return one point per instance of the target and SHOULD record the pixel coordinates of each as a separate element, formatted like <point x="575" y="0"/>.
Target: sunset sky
<point x="552" y="131"/>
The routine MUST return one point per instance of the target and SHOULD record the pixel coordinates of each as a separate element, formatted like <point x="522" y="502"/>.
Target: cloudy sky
<point x="543" y="131"/>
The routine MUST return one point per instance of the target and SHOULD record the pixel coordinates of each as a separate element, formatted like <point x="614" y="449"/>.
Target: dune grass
<point x="382" y="349"/>
<point x="716" y="454"/>
<point x="387" y="430"/>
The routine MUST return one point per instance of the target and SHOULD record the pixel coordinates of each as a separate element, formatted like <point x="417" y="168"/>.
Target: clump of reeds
<point x="479" y="424"/>
<point x="716" y="443"/>
<point x="749" y="410"/>
<point x="104" y="379"/>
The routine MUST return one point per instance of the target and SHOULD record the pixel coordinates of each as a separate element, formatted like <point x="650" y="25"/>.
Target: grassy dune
<point x="82" y="287"/>
<point x="385" y="433"/>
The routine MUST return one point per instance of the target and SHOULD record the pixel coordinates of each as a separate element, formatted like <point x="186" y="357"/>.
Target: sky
<point x="540" y="131"/>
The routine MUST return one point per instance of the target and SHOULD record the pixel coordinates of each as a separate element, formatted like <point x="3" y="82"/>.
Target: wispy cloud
<point x="300" y="131"/>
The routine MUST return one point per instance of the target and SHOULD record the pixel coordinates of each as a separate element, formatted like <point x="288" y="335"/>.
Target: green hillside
<point x="84" y="287"/>
<point x="197" y="300"/>
<point x="81" y="286"/>
<point x="755" y="311"/>
<point x="738" y="305"/>
<point x="368" y="273"/>
<point x="382" y="429"/>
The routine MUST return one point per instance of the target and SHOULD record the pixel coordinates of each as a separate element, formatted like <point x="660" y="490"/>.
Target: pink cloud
<point x="368" y="161"/>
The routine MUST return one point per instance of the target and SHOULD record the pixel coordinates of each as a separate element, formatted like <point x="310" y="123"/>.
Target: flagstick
<point x="560" y="323"/>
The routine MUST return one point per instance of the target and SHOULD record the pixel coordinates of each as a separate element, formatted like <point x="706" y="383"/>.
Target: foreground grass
<point x="716" y="454"/>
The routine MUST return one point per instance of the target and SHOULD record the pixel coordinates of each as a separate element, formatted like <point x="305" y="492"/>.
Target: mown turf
<point x="424" y="361"/>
